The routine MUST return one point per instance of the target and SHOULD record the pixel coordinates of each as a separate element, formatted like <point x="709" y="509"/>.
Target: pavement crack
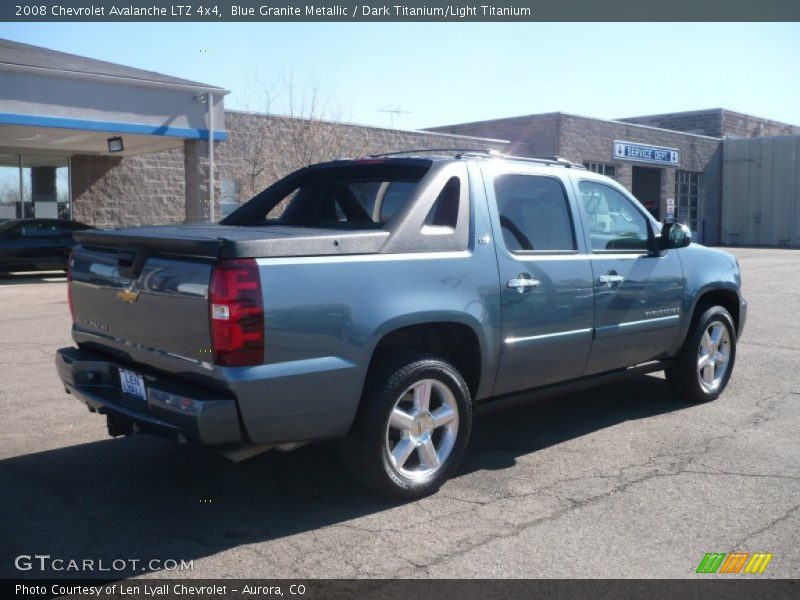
<point x="772" y="346"/>
<point x="737" y="474"/>
<point x="780" y="519"/>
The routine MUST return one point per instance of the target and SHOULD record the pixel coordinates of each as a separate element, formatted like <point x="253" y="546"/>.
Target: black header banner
<point x="188" y="11"/>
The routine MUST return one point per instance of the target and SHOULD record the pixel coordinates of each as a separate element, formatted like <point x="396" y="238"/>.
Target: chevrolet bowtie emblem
<point x="129" y="296"/>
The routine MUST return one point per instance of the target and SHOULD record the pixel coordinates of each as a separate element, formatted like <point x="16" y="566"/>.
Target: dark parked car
<point x="36" y="244"/>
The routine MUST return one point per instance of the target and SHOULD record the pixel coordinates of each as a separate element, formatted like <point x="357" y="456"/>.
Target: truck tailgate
<point x="158" y="307"/>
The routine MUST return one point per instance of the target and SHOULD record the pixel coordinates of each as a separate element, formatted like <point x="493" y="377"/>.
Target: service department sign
<point x="644" y="153"/>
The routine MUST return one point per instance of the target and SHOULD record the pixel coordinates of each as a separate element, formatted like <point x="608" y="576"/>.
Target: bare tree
<point x="257" y="167"/>
<point x="315" y="134"/>
<point x="299" y="127"/>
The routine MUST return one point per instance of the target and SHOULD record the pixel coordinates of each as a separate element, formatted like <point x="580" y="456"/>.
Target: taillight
<point x="70" y="266"/>
<point x="237" y="313"/>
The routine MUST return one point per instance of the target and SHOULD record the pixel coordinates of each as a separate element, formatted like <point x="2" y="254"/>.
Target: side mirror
<point x="673" y="235"/>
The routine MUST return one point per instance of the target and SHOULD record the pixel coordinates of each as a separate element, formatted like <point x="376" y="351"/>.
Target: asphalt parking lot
<point x="620" y="481"/>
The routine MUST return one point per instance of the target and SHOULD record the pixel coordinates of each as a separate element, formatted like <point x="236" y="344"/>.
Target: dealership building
<point x="733" y="178"/>
<point x="112" y="145"/>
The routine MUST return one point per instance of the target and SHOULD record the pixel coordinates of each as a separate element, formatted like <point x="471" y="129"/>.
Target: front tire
<point x="413" y="427"/>
<point x="703" y="367"/>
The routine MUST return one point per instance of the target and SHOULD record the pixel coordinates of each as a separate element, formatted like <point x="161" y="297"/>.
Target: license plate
<point x="132" y="384"/>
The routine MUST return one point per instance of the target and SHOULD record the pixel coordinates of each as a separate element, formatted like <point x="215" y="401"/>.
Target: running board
<point x="576" y="385"/>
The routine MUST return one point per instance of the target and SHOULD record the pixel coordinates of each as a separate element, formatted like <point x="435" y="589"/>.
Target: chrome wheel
<point x="713" y="356"/>
<point x="422" y="429"/>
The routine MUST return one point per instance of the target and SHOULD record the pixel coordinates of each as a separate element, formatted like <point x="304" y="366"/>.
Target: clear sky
<point x="456" y="72"/>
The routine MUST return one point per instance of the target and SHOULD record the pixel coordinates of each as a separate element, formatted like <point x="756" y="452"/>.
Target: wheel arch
<point x="725" y="296"/>
<point x="454" y="339"/>
<point x="722" y="294"/>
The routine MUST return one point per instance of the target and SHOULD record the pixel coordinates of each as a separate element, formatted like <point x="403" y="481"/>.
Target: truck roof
<point x="423" y="156"/>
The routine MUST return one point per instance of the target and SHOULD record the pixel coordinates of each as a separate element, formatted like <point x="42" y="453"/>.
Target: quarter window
<point x="444" y="212"/>
<point x="614" y="222"/>
<point x="534" y="214"/>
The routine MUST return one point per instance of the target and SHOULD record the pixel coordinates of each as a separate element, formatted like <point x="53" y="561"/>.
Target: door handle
<point x="611" y="279"/>
<point x="523" y="282"/>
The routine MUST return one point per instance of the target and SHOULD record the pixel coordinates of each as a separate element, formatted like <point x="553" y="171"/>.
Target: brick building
<point x="172" y="186"/>
<point x="112" y="145"/>
<point x="688" y="176"/>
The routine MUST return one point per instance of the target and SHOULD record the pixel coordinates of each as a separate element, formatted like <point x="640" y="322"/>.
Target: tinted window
<point x="347" y="203"/>
<point x="353" y="195"/>
<point x="381" y="200"/>
<point x="534" y="213"/>
<point x="394" y="197"/>
<point x="365" y="193"/>
<point x="39" y="229"/>
<point x="614" y="221"/>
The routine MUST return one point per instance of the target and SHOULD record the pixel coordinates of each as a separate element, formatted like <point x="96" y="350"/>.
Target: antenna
<point x="392" y="112"/>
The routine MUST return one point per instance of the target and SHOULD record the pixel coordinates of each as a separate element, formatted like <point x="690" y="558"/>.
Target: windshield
<point x="347" y="196"/>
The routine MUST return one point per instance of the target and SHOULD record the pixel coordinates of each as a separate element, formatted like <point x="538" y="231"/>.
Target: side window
<point x="534" y="213"/>
<point x="613" y="220"/>
<point x="35" y="229"/>
<point x="42" y="229"/>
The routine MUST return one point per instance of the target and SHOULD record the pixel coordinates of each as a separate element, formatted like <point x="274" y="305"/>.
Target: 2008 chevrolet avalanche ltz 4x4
<point x="382" y="299"/>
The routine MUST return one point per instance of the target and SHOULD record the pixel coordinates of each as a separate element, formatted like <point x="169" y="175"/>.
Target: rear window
<point x="350" y="196"/>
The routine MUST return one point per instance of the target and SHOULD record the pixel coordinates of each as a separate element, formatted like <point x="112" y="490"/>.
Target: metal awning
<point x="61" y="102"/>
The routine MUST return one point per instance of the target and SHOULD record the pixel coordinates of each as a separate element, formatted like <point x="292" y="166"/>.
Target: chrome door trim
<point x="635" y="326"/>
<point x="546" y="336"/>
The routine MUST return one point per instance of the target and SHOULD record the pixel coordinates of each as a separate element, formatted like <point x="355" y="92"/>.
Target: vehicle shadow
<point x="145" y="498"/>
<point x="23" y="278"/>
<point x="501" y="435"/>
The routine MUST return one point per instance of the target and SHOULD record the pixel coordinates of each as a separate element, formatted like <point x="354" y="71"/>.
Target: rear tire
<point x="703" y="367"/>
<point x="412" y="428"/>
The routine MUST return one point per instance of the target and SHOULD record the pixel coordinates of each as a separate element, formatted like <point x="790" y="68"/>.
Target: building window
<point x="10" y="184"/>
<point x="603" y="169"/>
<point x="33" y="185"/>
<point x="687" y="195"/>
<point x="228" y="196"/>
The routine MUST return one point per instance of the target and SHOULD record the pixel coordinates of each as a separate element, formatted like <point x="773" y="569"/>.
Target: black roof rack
<point x="484" y="152"/>
<point x="544" y="160"/>
<point x="458" y="151"/>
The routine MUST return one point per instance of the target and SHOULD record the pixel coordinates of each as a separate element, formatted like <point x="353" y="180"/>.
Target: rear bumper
<point x="172" y="410"/>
